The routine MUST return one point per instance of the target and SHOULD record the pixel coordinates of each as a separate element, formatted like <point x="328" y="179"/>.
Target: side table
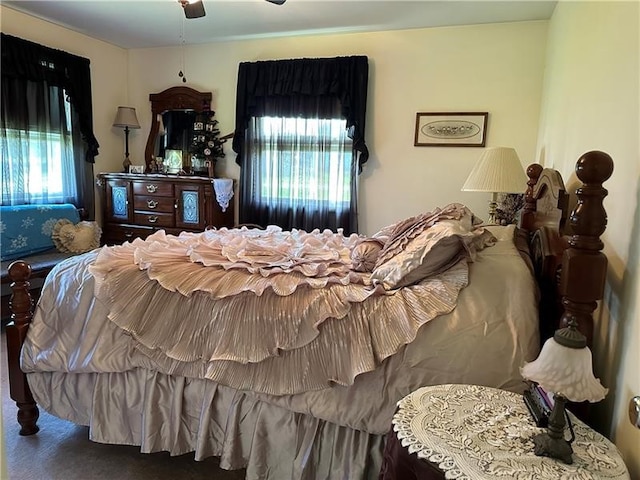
<point x="473" y="432"/>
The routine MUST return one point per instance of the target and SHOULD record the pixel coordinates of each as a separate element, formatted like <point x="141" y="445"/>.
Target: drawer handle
<point x="152" y="203"/>
<point x="152" y="188"/>
<point x="153" y="218"/>
<point x="128" y="234"/>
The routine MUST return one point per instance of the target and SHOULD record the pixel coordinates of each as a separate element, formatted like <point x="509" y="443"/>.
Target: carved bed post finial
<point x="526" y="220"/>
<point x="20" y="304"/>
<point x="588" y="265"/>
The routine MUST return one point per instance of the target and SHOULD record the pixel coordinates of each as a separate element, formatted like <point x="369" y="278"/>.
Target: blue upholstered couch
<point x="25" y="234"/>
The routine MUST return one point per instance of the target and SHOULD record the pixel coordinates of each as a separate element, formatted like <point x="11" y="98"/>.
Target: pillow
<point x="75" y="238"/>
<point x="365" y="254"/>
<point x="398" y="235"/>
<point x="435" y="250"/>
<point x="502" y="233"/>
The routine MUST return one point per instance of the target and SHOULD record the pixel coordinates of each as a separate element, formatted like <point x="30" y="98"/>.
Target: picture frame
<point x="450" y="129"/>
<point x="172" y="160"/>
<point x="136" y="168"/>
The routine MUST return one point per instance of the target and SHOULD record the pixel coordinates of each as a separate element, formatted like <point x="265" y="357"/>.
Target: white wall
<point x="496" y="68"/>
<point x="108" y="78"/>
<point x="592" y="102"/>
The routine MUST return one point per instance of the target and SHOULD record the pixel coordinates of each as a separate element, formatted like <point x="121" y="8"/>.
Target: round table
<point x="474" y="432"/>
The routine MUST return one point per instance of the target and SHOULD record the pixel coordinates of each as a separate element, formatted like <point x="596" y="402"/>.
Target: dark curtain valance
<point x="30" y="61"/>
<point x="345" y="78"/>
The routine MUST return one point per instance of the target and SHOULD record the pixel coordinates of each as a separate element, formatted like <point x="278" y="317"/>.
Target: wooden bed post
<point x="584" y="266"/>
<point x="526" y="220"/>
<point x="20" y="305"/>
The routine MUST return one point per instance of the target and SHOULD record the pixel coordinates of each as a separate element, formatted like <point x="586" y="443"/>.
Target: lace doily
<point x="224" y="191"/>
<point x="474" y="432"/>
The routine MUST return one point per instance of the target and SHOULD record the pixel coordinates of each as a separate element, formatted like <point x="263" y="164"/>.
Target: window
<point x="301" y="172"/>
<point x="300" y="141"/>
<point x="36" y="162"/>
<point x="47" y="145"/>
<point x="304" y="160"/>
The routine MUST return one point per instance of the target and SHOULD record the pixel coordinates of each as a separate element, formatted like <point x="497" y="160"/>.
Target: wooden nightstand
<point x="474" y="432"/>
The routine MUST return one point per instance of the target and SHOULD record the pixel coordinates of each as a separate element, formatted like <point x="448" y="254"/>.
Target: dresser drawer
<point x="156" y="220"/>
<point x="154" y="204"/>
<point x="159" y="189"/>
<point x="115" y="234"/>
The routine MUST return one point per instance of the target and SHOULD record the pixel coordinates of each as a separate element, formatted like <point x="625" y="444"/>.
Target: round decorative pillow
<point x="75" y="238"/>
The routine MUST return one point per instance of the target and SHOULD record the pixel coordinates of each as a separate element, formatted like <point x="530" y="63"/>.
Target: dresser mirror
<point x="173" y="113"/>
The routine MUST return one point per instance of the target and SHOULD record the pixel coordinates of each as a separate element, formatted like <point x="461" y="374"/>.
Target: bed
<point x="316" y="400"/>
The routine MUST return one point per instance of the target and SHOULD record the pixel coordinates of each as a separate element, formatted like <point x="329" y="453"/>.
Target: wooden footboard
<point x="20" y="305"/>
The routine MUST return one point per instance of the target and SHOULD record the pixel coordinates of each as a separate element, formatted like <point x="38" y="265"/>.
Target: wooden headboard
<point x="569" y="264"/>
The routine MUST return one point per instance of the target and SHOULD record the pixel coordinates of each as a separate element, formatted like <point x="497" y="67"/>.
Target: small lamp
<point x="126" y="118"/>
<point x="497" y="171"/>
<point x="564" y="367"/>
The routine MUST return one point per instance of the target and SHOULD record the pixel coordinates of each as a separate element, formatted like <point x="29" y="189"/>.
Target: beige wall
<point x="591" y="102"/>
<point x="108" y="77"/>
<point x="496" y="68"/>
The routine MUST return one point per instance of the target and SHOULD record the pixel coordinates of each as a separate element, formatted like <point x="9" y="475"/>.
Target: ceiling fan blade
<point x="193" y="8"/>
<point x="277" y="2"/>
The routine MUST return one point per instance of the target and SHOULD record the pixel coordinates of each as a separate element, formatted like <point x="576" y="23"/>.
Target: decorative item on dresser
<point x="126" y="118"/>
<point x="138" y="205"/>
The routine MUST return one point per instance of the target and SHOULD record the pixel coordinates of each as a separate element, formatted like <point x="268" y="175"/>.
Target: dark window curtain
<point x="25" y="65"/>
<point x="325" y="88"/>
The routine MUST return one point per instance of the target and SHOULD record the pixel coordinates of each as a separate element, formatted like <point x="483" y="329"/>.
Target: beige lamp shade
<point x="498" y="171"/>
<point x="126" y="118"/>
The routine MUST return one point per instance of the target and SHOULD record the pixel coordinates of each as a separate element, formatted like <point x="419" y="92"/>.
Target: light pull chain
<point x="181" y="73"/>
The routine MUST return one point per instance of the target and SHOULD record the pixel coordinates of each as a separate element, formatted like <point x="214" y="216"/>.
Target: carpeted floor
<point x="62" y="450"/>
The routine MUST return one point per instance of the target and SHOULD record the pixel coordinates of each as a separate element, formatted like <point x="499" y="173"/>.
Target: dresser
<point x="136" y="205"/>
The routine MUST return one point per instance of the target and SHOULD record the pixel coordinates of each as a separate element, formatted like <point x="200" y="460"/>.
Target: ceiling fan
<point x="195" y="8"/>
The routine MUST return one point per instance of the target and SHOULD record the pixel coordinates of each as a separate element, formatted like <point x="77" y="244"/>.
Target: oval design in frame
<point x="450" y="129"/>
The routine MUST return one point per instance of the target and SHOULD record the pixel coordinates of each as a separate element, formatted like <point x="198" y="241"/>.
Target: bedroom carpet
<point x="62" y="450"/>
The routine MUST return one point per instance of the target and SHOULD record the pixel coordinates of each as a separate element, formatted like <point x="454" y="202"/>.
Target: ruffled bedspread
<point x="243" y="326"/>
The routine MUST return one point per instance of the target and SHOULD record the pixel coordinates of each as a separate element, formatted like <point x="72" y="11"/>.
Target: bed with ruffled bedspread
<point x="281" y="352"/>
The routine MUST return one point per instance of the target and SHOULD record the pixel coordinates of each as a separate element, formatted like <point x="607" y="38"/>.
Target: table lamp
<point x="497" y="171"/>
<point x="126" y="118"/>
<point x="563" y="367"/>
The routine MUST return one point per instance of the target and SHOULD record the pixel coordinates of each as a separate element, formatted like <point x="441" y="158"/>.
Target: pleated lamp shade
<point x="498" y="171"/>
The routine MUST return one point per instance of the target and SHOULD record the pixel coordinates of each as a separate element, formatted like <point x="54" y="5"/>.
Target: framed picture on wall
<point x="450" y="129"/>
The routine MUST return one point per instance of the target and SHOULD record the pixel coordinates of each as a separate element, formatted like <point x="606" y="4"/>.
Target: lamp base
<point x="546" y="446"/>
<point x="126" y="164"/>
<point x="493" y="204"/>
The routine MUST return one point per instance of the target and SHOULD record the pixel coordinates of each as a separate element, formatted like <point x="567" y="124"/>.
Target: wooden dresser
<point x="136" y="205"/>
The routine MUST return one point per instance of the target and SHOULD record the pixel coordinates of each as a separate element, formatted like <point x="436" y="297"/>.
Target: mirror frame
<point x="174" y="98"/>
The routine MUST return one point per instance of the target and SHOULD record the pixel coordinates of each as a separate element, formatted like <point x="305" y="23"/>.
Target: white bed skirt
<point x="180" y="415"/>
